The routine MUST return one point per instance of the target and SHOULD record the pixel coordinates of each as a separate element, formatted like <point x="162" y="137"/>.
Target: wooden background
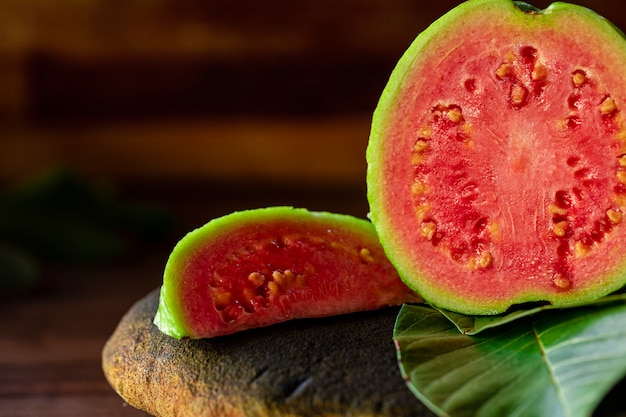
<point x="242" y="90"/>
<point x="206" y="106"/>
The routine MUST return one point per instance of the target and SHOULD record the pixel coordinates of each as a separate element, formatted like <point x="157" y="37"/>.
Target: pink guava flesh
<point x="497" y="160"/>
<point x="260" y="267"/>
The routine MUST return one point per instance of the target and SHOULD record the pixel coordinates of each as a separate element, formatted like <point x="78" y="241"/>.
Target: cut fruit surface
<point x="497" y="158"/>
<point x="259" y="267"/>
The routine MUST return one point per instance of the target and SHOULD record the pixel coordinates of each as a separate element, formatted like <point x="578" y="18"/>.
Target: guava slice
<point x="497" y="158"/>
<point x="259" y="267"/>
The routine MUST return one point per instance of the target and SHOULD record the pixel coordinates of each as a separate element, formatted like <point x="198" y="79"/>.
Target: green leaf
<point x="475" y="324"/>
<point x="59" y="216"/>
<point x="554" y="363"/>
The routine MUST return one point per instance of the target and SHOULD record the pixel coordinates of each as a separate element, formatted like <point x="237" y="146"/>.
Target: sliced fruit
<point x="496" y="162"/>
<point x="259" y="267"/>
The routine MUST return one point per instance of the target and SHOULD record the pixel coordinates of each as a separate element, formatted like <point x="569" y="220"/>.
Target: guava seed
<point x="425" y="132"/>
<point x="417" y="158"/>
<point x="248" y="304"/>
<point x="519" y="95"/>
<point x="256" y="279"/>
<point x="503" y="70"/>
<point x="280" y="279"/>
<point x="560" y="228"/>
<point x="579" y="77"/>
<point x="562" y="282"/>
<point x="615" y="216"/>
<point x="420" y="145"/>
<point x="540" y="72"/>
<point x="455" y="115"/>
<point x="428" y="230"/>
<point x="366" y="255"/>
<point x="608" y="106"/>
<point x="581" y="249"/>
<point x="418" y="188"/>
<point x="421" y="211"/>
<point x="556" y="210"/>
<point x="221" y="299"/>
<point x="273" y="289"/>
<point x="484" y="259"/>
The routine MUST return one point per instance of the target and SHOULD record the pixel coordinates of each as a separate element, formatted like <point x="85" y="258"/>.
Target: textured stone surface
<point x="336" y="366"/>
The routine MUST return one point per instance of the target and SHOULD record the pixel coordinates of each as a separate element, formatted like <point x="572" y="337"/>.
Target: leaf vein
<point x="493" y="365"/>
<point x="550" y="368"/>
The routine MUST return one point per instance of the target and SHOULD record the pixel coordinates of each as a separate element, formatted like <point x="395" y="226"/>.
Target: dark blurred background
<point x="202" y="107"/>
<point x="126" y="123"/>
<point x="164" y="91"/>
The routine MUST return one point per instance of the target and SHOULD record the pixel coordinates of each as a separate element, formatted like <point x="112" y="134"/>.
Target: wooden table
<point x="52" y="338"/>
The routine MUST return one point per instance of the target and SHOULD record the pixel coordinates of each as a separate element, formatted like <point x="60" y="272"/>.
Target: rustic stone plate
<point x="335" y="366"/>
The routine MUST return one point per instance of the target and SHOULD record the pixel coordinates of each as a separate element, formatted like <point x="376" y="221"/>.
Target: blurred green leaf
<point x="58" y="216"/>
<point x="19" y="271"/>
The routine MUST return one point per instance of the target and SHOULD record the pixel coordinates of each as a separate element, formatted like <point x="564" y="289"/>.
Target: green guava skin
<point x="389" y="183"/>
<point x="335" y="263"/>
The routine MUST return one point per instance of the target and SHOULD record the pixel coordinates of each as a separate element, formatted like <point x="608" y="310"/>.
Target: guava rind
<point x="382" y="162"/>
<point x="370" y="285"/>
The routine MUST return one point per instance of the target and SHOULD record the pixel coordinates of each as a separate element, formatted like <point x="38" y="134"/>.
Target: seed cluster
<point x="468" y="238"/>
<point x="268" y="285"/>
<point x="258" y="290"/>
<point x="581" y="83"/>
<point x="577" y="242"/>
<point x="524" y="74"/>
<point x="447" y="123"/>
<point x="577" y="232"/>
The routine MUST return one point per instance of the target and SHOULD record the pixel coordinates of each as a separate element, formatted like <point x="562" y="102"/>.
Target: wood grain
<point x="111" y="88"/>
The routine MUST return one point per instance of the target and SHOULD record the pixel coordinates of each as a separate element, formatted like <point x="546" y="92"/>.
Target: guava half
<point x="259" y="267"/>
<point x="497" y="158"/>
